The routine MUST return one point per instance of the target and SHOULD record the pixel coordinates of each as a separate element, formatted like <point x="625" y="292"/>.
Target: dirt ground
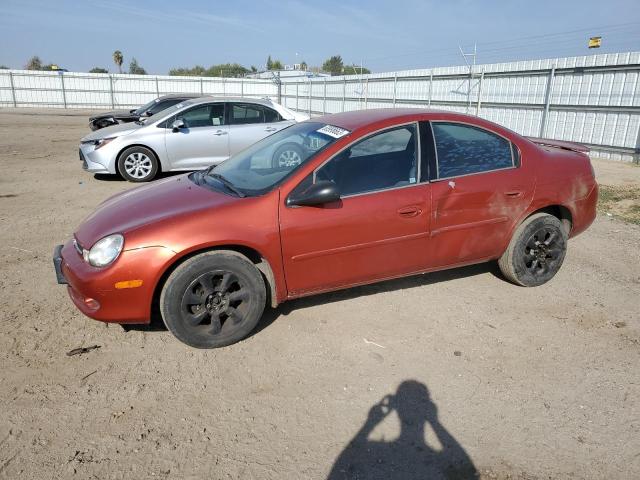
<point x="458" y="367"/>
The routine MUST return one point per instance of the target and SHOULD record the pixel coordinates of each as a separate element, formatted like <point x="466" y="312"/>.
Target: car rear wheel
<point x="536" y="251"/>
<point x="213" y="299"/>
<point x="287" y="155"/>
<point x="138" y="164"/>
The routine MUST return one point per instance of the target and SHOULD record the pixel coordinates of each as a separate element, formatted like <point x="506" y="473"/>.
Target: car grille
<point x="82" y="159"/>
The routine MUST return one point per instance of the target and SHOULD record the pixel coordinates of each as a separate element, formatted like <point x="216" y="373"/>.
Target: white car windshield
<point x="259" y="168"/>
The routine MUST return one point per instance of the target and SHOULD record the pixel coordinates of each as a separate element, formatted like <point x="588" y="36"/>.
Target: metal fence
<point x="593" y="99"/>
<point x="24" y="88"/>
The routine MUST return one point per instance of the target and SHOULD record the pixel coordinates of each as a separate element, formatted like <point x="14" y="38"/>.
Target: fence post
<point x="13" y="90"/>
<point x="309" y="96"/>
<point x="297" y="85"/>
<point x="157" y="87"/>
<point x="224" y="87"/>
<point x="366" y="94"/>
<point x="279" y="88"/>
<point x="430" y="86"/>
<point x="324" y="101"/>
<point x="344" y="92"/>
<point x="547" y="102"/>
<point x="64" y="93"/>
<point x="479" y="104"/>
<point x="241" y="88"/>
<point x="395" y="83"/>
<point x="201" y="87"/>
<point x="113" y="103"/>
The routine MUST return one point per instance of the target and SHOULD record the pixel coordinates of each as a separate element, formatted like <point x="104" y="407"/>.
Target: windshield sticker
<point x="335" y="132"/>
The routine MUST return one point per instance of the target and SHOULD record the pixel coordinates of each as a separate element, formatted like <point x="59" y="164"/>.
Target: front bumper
<point x="94" y="292"/>
<point x="97" y="161"/>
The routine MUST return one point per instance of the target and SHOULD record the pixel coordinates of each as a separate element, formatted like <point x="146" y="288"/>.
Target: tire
<point x="138" y="164"/>
<point x="213" y="299"/>
<point x="287" y="155"/>
<point x="536" y="251"/>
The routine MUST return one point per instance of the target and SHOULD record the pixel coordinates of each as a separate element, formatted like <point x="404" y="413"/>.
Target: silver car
<point x="192" y="135"/>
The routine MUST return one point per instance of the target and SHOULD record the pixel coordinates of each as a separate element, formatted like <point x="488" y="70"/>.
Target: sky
<point x="383" y="35"/>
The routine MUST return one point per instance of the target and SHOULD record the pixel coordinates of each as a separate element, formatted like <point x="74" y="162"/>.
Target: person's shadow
<point x="409" y="456"/>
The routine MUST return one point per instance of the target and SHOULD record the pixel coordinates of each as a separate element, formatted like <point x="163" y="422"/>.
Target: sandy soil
<point x="508" y="382"/>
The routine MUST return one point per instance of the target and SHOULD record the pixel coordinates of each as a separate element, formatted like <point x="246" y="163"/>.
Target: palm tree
<point x="117" y="59"/>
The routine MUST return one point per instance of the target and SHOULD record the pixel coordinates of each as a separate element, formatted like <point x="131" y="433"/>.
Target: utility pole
<point x="471" y="68"/>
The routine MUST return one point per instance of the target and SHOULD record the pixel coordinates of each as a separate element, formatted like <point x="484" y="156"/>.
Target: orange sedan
<point x="372" y="195"/>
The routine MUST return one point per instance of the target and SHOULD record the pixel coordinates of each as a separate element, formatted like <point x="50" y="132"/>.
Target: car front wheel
<point x="213" y="299"/>
<point x="536" y="251"/>
<point x="138" y="164"/>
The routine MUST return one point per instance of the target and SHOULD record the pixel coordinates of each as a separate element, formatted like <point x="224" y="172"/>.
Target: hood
<point x="115" y="114"/>
<point x="112" y="131"/>
<point x="161" y="201"/>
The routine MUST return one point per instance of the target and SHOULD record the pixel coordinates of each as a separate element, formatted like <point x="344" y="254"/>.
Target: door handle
<point x="270" y="129"/>
<point x="514" y="194"/>
<point x="219" y="132"/>
<point x="409" y="212"/>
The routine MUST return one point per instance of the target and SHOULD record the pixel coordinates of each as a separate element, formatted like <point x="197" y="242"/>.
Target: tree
<point x="197" y="71"/>
<point x="355" y="70"/>
<point x="4" y="67"/>
<point x="118" y="59"/>
<point x="333" y="65"/>
<point x="136" y="69"/>
<point x="34" y="63"/>
<point x="226" y="70"/>
<point x="98" y="70"/>
<point x="277" y="65"/>
<point x="253" y="69"/>
<point x="303" y="65"/>
<point x="269" y="63"/>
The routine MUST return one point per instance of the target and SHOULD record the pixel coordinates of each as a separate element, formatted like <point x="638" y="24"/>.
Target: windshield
<point x="144" y="108"/>
<point x="260" y="167"/>
<point x="165" y="113"/>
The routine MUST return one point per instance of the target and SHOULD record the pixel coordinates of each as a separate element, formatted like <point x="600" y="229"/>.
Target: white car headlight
<point x="102" y="142"/>
<point x="105" y="250"/>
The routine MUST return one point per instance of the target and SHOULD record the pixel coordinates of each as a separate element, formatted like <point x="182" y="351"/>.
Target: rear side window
<point x="464" y="149"/>
<point x="244" y="113"/>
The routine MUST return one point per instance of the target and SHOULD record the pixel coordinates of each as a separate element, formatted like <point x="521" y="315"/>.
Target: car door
<point x="250" y="122"/>
<point x="379" y="228"/>
<point x="479" y="189"/>
<point x="203" y="141"/>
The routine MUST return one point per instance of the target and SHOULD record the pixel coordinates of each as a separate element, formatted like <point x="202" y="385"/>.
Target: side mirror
<point x="319" y="193"/>
<point x="148" y="113"/>
<point x="177" y="125"/>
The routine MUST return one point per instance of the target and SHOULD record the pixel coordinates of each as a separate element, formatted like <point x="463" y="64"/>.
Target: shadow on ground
<point x="409" y="456"/>
<point x="271" y="314"/>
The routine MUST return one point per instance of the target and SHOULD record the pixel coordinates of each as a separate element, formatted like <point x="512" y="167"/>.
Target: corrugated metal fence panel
<point x="593" y="99"/>
<point x="24" y="88"/>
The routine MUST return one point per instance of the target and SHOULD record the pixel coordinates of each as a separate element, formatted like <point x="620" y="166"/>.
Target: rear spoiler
<point x="546" y="142"/>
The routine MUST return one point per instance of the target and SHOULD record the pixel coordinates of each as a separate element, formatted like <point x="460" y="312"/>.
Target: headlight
<point x="102" y="142"/>
<point x="105" y="251"/>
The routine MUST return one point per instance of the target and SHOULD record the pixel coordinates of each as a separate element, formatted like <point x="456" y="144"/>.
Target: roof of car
<point x="211" y="98"/>
<point x="179" y="95"/>
<point x="361" y="118"/>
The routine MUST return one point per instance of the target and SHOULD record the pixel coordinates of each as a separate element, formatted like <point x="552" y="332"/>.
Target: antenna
<point x="471" y="69"/>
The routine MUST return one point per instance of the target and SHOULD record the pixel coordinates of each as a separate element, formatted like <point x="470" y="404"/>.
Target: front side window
<point x="384" y="160"/>
<point x="464" y="149"/>
<point x="203" y="116"/>
<point x="245" y="113"/>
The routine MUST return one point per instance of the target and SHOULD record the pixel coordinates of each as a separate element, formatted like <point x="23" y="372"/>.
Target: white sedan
<point x="192" y="135"/>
